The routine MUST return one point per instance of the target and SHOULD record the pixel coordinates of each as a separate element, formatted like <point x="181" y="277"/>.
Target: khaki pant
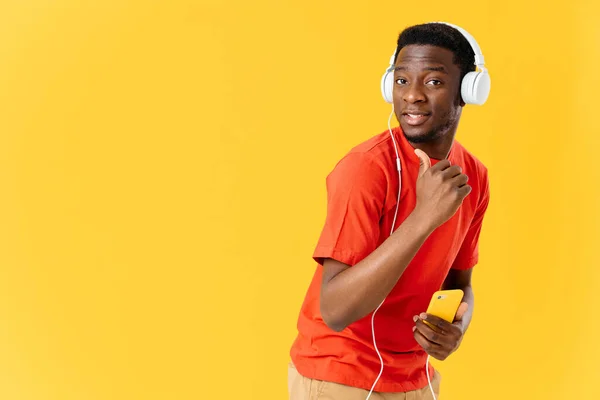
<point x="301" y="388"/>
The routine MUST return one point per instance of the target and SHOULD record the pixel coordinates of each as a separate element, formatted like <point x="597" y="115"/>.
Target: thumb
<point x="462" y="309"/>
<point x="425" y="162"/>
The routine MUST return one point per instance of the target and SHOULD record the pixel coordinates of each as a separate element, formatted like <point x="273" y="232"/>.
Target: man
<point x="434" y="241"/>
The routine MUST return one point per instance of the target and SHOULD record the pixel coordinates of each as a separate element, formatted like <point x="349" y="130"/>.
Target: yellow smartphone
<point x="444" y="304"/>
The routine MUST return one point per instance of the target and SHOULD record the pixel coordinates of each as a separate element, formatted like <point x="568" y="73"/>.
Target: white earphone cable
<point x="398" y="167"/>
<point x="376" y="350"/>
<point x="429" y="378"/>
<point x="391" y="232"/>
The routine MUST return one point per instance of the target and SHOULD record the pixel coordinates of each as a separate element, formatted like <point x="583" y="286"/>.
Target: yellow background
<point x="162" y="171"/>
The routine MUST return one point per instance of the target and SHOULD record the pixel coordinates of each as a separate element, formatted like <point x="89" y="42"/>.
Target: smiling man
<point x="434" y="217"/>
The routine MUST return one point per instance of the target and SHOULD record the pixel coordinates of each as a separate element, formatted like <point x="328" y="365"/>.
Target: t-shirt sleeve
<point x="356" y="190"/>
<point x="468" y="255"/>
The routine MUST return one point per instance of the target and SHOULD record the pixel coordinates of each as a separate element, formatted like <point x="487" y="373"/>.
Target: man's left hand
<point x="440" y="338"/>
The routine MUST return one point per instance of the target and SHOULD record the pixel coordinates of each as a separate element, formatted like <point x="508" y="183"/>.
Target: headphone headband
<point x="472" y="42"/>
<point x="478" y="61"/>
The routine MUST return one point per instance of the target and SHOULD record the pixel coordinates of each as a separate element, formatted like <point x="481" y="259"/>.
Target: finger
<point x="444" y="339"/>
<point x="452" y="171"/>
<point x="464" y="191"/>
<point x="462" y="309"/>
<point x="441" y="165"/>
<point x="424" y="161"/>
<point x="430" y="347"/>
<point x="438" y="323"/>
<point x="460" y="180"/>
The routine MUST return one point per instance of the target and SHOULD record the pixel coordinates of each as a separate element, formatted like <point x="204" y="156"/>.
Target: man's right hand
<point x="441" y="189"/>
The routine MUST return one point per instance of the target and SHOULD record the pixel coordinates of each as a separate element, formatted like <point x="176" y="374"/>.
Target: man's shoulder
<point x="367" y="157"/>
<point x="374" y="150"/>
<point x="372" y="146"/>
<point x="470" y="160"/>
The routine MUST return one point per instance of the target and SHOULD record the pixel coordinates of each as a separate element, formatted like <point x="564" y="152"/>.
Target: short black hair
<point x="441" y="35"/>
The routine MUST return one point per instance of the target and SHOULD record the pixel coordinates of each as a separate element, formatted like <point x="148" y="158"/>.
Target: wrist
<point x="422" y="221"/>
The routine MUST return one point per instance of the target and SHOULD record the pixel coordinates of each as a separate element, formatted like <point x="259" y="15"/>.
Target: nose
<point x="413" y="93"/>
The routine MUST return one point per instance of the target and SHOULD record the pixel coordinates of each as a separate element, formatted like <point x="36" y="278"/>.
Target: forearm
<point x="356" y="291"/>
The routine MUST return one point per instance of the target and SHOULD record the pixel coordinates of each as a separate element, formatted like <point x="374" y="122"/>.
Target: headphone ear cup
<point x="466" y="88"/>
<point x="475" y="87"/>
<point x="481" y="88"/>
<point x="387" y="86"/>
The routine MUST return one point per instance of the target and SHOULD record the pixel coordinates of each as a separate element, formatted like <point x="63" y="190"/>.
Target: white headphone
<point x="475" y="86"/>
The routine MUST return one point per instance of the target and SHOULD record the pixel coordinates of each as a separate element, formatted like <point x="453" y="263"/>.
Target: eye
<point x="434" y="82"/>
<point x="401" y="81"/>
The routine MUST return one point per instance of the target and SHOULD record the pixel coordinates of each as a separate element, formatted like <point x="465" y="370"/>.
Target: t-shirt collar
<point x="409" y="151"/>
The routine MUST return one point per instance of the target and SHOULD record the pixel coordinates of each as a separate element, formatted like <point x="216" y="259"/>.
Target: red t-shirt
<point x="362" y="192"/>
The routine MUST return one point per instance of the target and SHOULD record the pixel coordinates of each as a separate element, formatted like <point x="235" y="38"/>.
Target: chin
<point x="418" y="134"/>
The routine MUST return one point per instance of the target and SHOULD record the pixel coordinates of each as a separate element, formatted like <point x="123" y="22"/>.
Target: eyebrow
<point x="435" y="69"/>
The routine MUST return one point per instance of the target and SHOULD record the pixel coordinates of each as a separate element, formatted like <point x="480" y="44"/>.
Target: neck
<point x="438" y="149"/>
